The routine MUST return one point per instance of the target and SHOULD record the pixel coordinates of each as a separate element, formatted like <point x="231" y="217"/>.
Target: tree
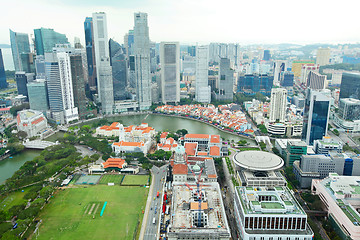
<point x="15" y="109"/>
<point x="336" y="132"/>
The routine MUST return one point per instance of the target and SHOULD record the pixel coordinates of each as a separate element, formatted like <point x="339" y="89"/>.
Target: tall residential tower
<point x="278" y="104"/>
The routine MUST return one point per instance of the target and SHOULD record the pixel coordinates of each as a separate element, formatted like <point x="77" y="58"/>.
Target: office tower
<point x="294" y="150"/>
<point x="27" y="62"/>
<point x="287" y="79"/>
<point x="77" y="43"/>
<point x="316" y="116"/>
<point x="38" y="95"/>
<point x="102" y="58"/>
<point x="278" y="104"/>
<point x="46" y="39"/>
<point x="192" y="51"/>
<point x="225" y="81"/>
<point x="170" y="71"/>
<point x="267" y="55"/>
<point x="119" y="70"/>
<point x="350" y="85"/>
<point x="296" y="66"/>
<point x="21" y="81"/>
<point x="40" y="67"/>
<point x="250" y="84"/>
<point x="349" y="109"/>
<point x="323" y="56"/>
<point x="279" y="67"/>
<point x="316" y="81"/>
<point x="78" y="83"/>
<point x="3" y="83"/>
<point x="129" y="42"/>
<point x="132" y="73"/>
<point x="90" y="51"/>
<point x="154" y="57"/>
<point x="203" y="90"/>
<point x="19" y="45"/>
<point x="305" y="70"/>
<point x="142" y="60"/>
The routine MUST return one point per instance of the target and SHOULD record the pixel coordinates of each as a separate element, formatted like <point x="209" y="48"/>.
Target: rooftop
<point x="258" y="160"/>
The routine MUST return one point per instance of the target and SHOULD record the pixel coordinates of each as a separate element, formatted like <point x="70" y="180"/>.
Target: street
<point x="150" y="229"/>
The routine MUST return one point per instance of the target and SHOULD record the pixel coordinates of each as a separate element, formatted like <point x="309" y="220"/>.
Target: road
<point x="151" y="229"/>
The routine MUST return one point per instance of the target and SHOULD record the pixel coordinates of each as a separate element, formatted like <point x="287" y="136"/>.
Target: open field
<point x="14" y="198"/>
<point x="116" y="179"/>
<point x="74" y="213"/>
<point x="135" y="180"/>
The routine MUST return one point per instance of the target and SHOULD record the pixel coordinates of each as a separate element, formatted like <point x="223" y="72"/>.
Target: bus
<point x="154" y="220"/>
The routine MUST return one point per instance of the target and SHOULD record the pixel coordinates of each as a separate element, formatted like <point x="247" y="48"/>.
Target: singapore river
<point x="159" y="122"/>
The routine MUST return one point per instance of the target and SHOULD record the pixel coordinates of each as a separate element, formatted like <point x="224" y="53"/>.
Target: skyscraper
<point x="287" y="79"/>
<point x="316" y="81"/>
<point x="38" y="95"/>
<point x="90" y="50"/>
<point x="251" y="84"/>
<point x="3" y="83"/>
<point x="78" y="83"/>
<point x="316" y="116"/>
<point x="225" y="80"/>
<point x="40" y="67"/>
<point x="19" y="45"/>
<point x="102" y="58"/>
<point x="170" y="71"/>
<point x="203" y="90"/>
<point x="142" y="60"/>
<point x="350" y="85"/>
<point x="267" y="55"/>
<point x="119" y="70"/>
<point x="46" y="39"/>
<point x="323" y="56"/>
<point x="21" y="81"/>
<point x="278" y="103"/>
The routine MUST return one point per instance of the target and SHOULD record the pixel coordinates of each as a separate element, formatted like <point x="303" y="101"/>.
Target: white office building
<point x="102" y="59"/>
<point x="170" y="71"/>
<point x="142" y="60"/>
<point x="278" y="104"/>
<point x="203" y="90"/>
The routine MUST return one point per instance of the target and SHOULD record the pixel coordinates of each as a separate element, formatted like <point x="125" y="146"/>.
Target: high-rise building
<point x="297" y="66"/>
<point x="350" y="85"/>
<point x="267" y="55"/>
<point x="3" y="83"/>
<point x="287" y="79"/>
<point x="46" y="39"/>
<point x="38" y="95"/>
<point x="129" y="43"/>
<point x="142" y="60"/>
<point x="316" y="116"/>
<point x="103" y="67"/>
<point x="40" y="67"/>
<point x="170" y="71"/>
<point x="305" y="70"/>
<point x="279" y="67"/>
<point x="316" y="81"/>
<point x="251" y="84"/>
<point x="21" y="81"/>
<point x="90" y="51"/>
<point x="278" y="102"/>
<point x="78" y="83"/>
<point x="323" y="56"/>
<point x="203" y="90"/>
<point x="294" y="150"/>
<point x="19" y="45"/>
<point x="119" y="70"/>
<point x="225" y="81"/>
<point x="349" y="109"/>
<point x="192" y="51"/>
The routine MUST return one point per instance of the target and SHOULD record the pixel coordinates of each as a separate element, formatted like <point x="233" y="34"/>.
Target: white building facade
<point x="278" y="104"/>
<point x="203" y="90"/>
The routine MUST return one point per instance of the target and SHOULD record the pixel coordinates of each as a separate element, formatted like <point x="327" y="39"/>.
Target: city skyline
<point x="181" y="20"/>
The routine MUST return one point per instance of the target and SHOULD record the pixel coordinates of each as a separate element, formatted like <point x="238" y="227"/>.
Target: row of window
<point x="275" y="223"/>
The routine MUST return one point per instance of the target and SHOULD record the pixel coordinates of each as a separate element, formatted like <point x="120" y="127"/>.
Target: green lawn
<point x="136" y="180"/>
<point x="12" y="199"/>
<point x="105" y="179"/>
<point x="67" y="215"/>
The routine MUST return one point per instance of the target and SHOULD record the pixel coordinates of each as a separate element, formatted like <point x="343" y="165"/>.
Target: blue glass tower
<point x="90" y="53"/>
<point x="19" y="46"/>
<point x="267" y="55"/>
<point x="251" y="84"/>
<point x="3" y="83"/>
<point x="46" y="39"/>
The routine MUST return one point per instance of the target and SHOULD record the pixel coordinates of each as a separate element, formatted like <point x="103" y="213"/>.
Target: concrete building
<point x="206" y="145"/>
<point x="119" y="70"/>
<point x="350" y="85"/>
<point x="349" y="109"/>
<point x="316" y="81"/>
<point x="297" y="66"/>
<point x="278" y="102"/>
<point x="316" y="116"/>
<point x="170" y="71"/>
<point x="225" y="81"/>
<point x="203" y="90"/>
<point x="323" y="56"/>
<point x="78" y="83"/>
<point x="102" y="59"/>
<point x="38" y="95"/>
<point x="90" y="51"/>
<point x="32" y="122"/>
<point x="264" y="213"/>
<point x="294" y="151"/>
<point x="142" y="60"/>
<point x="305" y="70"/>
<point x="3" y="82"/>
<point x="340" y="195"/>
<point x="284" y="129"/>
<point x="21" y="81"/>
<point x="326" y="145"/>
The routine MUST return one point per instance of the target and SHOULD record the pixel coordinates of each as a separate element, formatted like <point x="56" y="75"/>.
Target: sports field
<point x="135" y="180"/>
<point x="105" y="179"/>
<point x="74" y="213"/>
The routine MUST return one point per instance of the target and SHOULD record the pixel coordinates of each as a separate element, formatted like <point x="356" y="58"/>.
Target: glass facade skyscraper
<point x="21" y="81"/>
<point x="119" y="70"/>
<point x="251" y="84"/>
<point x="19" y="45"/>
<point x="78" y="82"/>
<point x="46" y="39"/>
<point x="350" y="85"/>
<point x="316" y="116"/>
<point x="38" y="95"/>
<point x="90" y="53"/>
<point x="349" y="109"/>
<point x="3" y="83"/>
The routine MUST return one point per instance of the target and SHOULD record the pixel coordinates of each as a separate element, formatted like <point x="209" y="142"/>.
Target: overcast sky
<point x="192" y="21"/>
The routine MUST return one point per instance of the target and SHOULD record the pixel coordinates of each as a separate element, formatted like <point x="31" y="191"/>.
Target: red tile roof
<point x="215" y="139"/>
<point x="37" y="120"/>
<point x="164" y="134"/>
<point x="196" y="136"/>
<point x="129" y="144"/>
<point x="190" y="148"/>
<point x="180" y="169"/>
<point x="202" y="154"/>
<point x="114" y="163"/>
<point x="214" y="151"/>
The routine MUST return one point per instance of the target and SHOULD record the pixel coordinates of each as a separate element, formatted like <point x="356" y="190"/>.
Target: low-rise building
<point x="340" y="195"/>
<point x="326" y="145"/>
<point x="129" y="147"/>
<point x="294" y="151"/>
<point x="207" y="145"/>
<point x="32" y="122"/>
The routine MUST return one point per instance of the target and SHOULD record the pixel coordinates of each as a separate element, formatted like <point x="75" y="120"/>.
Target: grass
<point x="67" y="215"/>
<point x="116" y="179"/>
<point x="14" y="198"/>
<point x="136" y="180"/>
